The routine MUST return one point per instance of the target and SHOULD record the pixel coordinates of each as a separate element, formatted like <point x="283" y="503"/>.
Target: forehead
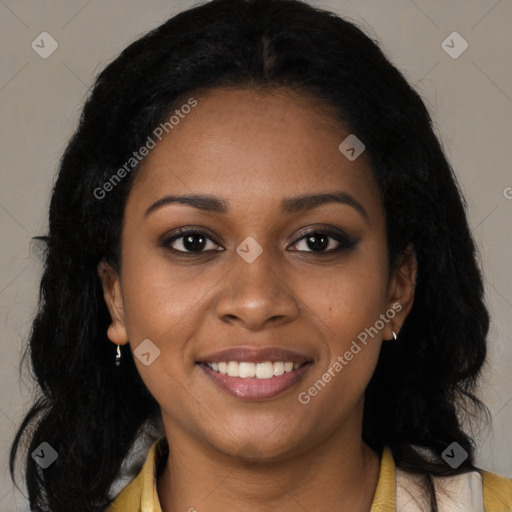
<point x="243" y="144"/>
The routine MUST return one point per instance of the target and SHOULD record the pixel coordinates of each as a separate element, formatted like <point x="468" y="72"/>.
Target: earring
<point x="118" y="355"/>
<point x="394" y="335"/>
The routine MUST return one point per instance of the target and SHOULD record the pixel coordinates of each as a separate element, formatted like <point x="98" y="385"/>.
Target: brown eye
<point x="324" y="241"/>
<point x="189" y="242"/>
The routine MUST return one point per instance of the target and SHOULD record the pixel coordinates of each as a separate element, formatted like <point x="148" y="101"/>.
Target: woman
<point x="257" y="242"/>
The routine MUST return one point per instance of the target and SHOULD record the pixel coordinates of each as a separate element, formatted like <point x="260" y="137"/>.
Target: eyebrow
<point x="209" y="203"/>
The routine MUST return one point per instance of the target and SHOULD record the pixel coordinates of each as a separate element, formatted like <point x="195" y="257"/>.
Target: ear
<point x="401" y="291"/>
<point x="113" y="299"/>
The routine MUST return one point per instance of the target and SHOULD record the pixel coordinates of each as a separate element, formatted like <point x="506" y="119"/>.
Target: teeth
<point x="278" y="368"/>
<point x="264" y="370"/>
<point x="247" y="370"/>
<point x="233" y="369"/>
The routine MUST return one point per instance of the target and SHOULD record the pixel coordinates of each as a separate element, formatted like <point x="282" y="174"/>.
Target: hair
<point x="91" y="412"/>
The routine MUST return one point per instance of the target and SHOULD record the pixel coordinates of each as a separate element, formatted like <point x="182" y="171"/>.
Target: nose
<point x="256" y="294"/>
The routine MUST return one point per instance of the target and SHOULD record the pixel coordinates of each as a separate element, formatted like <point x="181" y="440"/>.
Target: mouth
<point x="255" y="374"/>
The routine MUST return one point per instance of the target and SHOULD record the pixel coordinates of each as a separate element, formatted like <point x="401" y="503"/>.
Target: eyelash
<point x="343" y="240"/>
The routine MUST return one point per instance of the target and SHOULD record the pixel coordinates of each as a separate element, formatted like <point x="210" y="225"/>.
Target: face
<point x="251" y="277"/>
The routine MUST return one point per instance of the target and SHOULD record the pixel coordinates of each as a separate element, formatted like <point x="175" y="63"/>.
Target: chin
<point x="260" y="447"/>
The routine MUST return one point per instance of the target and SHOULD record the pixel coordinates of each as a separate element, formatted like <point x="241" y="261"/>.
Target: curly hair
<point x="92" y="412"/>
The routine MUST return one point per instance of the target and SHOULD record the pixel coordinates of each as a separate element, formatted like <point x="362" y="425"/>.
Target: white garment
<point x="459" y="493"/>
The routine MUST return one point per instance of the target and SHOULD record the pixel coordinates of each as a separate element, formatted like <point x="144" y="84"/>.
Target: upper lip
<point x="254" y="355"/>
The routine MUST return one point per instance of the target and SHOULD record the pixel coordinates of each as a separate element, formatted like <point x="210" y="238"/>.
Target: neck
<point x="341" y="473"/>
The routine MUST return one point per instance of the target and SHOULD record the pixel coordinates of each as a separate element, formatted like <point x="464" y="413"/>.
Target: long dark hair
<point x="91" y="412"/>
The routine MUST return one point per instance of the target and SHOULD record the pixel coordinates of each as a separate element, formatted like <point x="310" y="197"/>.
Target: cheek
<point x="162" y="304"/>
<point x="350" y="307"/>
<point x="159" y="301"/>
<point x="354" y="294"/>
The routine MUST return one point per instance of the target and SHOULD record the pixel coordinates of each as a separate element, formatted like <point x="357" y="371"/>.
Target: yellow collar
<point x="140" y="495"/>
<point x="384" y="499"/>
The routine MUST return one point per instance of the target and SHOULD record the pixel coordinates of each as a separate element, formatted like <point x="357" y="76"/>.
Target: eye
<point x="324" y="241"/>
<point x="190" y="241"/>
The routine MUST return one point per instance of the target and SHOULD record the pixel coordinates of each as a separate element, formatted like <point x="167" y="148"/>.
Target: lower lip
<point x="253" y="388"/>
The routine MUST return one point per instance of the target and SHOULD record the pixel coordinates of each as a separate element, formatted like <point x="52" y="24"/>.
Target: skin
<point x="253" y="149"/>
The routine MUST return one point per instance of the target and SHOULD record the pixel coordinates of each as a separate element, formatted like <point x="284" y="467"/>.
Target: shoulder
<point x="497" y="492"/>
<point x="474" y="491"/>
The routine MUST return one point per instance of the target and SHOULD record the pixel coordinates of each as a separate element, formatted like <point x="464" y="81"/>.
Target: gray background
<point x="470" y="98"/>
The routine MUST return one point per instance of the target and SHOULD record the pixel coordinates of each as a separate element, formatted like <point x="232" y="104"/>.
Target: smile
<point x="246" y="370"/>
<point x="255" y="373"/>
